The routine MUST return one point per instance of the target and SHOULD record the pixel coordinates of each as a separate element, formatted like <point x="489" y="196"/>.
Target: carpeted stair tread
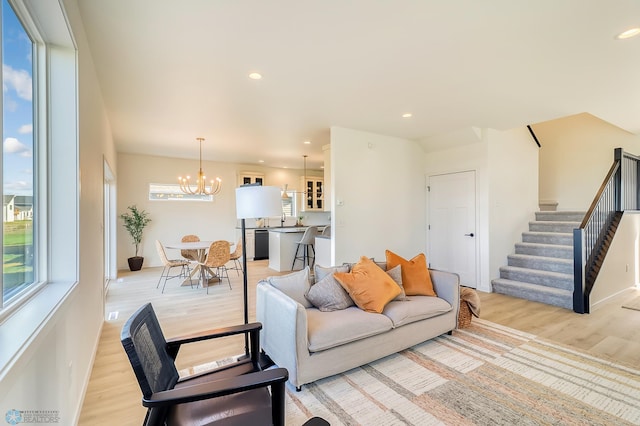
<point x="553" y="226"/>
<point x="545" y="250"/>
<point x="565" y="216"/>
<point x="538" y="277"/>
<point x="559" y="238"/>
<point x="536" y="293"/>
<point x="541" y="263"/>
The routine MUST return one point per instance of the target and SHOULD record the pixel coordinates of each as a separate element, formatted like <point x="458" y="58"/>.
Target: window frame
<point x="56" y="159"/>
<point x="37" y="47"/>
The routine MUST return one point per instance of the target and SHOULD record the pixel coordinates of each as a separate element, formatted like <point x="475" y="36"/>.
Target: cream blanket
<point x="470" y="296"/>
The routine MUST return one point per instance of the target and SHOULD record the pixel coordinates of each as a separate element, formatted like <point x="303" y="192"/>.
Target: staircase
<point x="541" y="269"/>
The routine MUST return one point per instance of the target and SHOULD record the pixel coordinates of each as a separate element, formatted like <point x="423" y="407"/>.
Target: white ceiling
<point x="171" y="71"/>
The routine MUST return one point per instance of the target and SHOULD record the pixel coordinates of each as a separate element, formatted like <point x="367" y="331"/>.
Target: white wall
<point x="170" y="220"/>
<point x="576" y="154"/>
<point x="53" y="370"/>
<point x="379" y="195"/>
<point x="506" y="188"/>
<point x="513" y="191"/>
<point x="620" y="270"/>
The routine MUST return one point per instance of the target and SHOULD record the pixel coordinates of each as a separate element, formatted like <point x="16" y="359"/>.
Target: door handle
<point x="469" y="235"/>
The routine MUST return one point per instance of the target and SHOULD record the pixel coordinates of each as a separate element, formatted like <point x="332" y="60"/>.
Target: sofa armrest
<point x="447" y="286"/>
<point x="284" y="332"/>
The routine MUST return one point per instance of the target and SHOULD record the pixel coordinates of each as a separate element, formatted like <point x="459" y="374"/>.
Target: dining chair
<point x="306" y="242"/>
<point x="190" y="254"/>
<point x="235" y="256"/>
<point x="234" y="394"/>
<point x="327" y="231"/>
<point x="218" y="256"/>
<point x="168" y="264"/>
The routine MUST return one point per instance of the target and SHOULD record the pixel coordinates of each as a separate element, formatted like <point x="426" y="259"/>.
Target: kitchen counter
<point x="289" y="229"/>
<point x="282" y="246"/>
<point x="323" y="250"/>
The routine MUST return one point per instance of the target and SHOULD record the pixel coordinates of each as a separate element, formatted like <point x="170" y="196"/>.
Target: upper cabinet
<point x="313" y="197"/>
<point x="250" y="177"/>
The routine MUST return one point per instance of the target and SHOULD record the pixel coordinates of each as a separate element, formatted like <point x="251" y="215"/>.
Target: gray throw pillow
<point x="320" y="271"/>
<point x="328" y="295"/>
<point x="294" y="285"/>
<point x="396" y="275"/>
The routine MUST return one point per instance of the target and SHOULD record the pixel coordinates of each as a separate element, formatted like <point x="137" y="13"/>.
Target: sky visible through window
<point x="17" y="157"/>
<point x="17" y="129"/>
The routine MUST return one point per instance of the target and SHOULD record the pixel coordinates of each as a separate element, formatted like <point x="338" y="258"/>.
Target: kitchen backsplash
<point x="308" y="219"/>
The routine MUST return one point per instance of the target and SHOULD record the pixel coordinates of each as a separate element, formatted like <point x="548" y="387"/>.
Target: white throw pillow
<point x="294" y="285"/>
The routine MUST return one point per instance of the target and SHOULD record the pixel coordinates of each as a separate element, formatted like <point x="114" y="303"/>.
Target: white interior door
<point x="452" y="225"/>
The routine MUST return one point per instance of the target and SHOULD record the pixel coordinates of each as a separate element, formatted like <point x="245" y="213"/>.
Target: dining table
<point x="201" y="248"/>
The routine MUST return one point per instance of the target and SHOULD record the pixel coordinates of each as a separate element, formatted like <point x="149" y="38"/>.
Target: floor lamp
<point x="254" y="201"/>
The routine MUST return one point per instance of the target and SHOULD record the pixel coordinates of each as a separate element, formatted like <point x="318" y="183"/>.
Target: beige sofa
<point x="312" y="344"/>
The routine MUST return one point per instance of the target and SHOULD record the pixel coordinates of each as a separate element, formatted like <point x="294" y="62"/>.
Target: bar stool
<point x="307" y="241"/>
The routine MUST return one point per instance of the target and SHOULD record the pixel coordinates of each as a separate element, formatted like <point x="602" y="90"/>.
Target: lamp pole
<point x="254" y="201"/>
<point x="245" y="285"/>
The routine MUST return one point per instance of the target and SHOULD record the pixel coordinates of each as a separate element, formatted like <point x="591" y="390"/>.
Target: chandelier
<point x="201" y="187"/>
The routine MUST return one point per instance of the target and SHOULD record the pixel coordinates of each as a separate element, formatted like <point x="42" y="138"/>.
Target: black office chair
<point x="236" y="394"/>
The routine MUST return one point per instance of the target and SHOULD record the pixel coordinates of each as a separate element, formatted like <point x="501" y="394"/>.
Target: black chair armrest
<point x="173" y="345"/>
<point x="217" y="388"/>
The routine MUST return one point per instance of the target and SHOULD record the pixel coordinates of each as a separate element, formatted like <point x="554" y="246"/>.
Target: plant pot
<point x="135" y="263"/>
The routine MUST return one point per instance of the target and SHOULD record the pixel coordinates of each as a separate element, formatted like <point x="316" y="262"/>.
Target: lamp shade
<point x="258" y="201"/>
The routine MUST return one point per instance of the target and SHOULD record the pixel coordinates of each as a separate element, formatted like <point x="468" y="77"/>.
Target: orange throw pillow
<point x="415" y="274"/>
<point x="369" y="286"/>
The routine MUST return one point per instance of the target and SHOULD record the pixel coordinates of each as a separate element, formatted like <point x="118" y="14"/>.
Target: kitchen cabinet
<point x="251" y="242"/>
<point x="313" y="197"/>
<point x="246" y="178"/>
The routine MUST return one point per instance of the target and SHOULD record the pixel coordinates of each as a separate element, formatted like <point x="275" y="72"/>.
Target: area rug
<point x="482" y="375"/>
<point x="633" y="304"/>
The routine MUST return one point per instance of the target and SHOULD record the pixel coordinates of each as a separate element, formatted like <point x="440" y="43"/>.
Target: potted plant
<point x="134" y="222"/>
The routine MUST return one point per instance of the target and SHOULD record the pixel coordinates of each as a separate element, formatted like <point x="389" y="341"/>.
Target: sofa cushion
<point x="368" y="285"/>
<point x="294" y="285"/>
<point x="330" y="329"/>
<point x="328" y="295"/>
<point x="415" y="274"/>
<point x="416" y="308"/>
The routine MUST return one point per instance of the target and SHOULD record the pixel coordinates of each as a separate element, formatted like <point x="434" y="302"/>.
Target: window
<point x="289" y="204"/>
<point x="172" y="192"/>
<point x="19" y="215"/>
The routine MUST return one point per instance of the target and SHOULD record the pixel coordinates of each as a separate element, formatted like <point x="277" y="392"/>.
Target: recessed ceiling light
<point x="255" y="76"/>
<point x="632" y="32"/>
<point x="260" y="161"/>
<point x="407" y="115"/>
<point x="307" y="142"/>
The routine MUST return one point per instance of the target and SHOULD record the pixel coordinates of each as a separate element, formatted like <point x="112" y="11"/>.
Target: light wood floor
<point x="113" y="396"/>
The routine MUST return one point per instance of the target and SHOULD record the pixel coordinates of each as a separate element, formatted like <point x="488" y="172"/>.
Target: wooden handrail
<point x="612" y="171"/>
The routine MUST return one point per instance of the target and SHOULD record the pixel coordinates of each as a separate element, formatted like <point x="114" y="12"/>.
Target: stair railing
<point x="618" y="192"/>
